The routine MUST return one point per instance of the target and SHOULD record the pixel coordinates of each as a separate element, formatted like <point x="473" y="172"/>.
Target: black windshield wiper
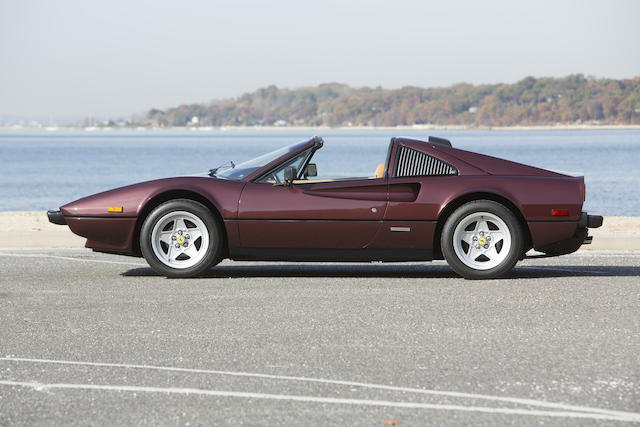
<point x="212" y="172"/>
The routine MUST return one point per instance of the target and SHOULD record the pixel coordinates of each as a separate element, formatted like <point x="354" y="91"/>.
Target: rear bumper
<point x="589" y="221"/>
<point x="580" y="237"/>
<point x="56" y="217"/>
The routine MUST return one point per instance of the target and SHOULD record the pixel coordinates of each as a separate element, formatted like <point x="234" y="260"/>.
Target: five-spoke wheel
<point x="181" y="238"/>
<point x="481" y="240"/>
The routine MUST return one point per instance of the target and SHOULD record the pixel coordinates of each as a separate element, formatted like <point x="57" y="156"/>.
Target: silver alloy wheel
<point x="482" y="240"/>
<point x="180" y="239"/>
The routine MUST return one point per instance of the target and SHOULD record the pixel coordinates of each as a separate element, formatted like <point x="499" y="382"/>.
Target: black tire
<point x="214" y="248"/>
<point x="512" y="223"/>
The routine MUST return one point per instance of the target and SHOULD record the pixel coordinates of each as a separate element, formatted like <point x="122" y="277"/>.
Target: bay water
<point x="45" y="169"/>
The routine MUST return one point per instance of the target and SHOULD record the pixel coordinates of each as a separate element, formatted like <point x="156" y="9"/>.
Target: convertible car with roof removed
<point x="426" y="201"/>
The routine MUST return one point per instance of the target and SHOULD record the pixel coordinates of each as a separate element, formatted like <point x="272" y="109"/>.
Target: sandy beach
<point x="28" y="230"/>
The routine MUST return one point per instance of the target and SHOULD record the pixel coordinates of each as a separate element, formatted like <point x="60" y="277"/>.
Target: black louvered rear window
<point x="415" y="163"/>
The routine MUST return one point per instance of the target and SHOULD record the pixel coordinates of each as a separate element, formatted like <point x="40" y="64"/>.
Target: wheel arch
<point x="160" y="198"/>
<point x="454" y="204"/>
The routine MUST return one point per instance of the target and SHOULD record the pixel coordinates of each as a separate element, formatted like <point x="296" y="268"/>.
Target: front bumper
<point x="112" y="234"/>
<point x="56" y="217"/>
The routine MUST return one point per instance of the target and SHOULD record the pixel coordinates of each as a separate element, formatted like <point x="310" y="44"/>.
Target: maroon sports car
<point x="426" y="201"/>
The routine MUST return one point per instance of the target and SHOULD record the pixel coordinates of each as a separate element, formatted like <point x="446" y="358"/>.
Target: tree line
<point x="530" y="101"/>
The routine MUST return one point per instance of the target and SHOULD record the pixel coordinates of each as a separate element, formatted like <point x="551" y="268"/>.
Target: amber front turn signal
<point x="115" y="209"/>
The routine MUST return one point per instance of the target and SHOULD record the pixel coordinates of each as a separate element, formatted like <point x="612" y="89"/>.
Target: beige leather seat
<point x="378" y="174"/>
<point x="379" y="171"/>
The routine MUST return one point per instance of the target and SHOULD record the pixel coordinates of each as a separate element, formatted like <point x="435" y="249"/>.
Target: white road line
<point x="572" y="270"/>
<point x="317" y="399"/>
<point x="74" y="259"/>
<point x="516" y="400"/>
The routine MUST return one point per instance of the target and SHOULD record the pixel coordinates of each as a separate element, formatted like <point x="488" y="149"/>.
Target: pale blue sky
<point x="113" y="58"/>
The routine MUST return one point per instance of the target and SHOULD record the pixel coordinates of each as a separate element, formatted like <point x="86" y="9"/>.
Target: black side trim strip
<point x="554" y="220"/>
<point x="101" y="217"/>
<point x="330" y="220"/>
<point x="330" y="255"/>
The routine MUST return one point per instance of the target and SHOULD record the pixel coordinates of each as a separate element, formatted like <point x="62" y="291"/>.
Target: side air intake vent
<point x="415" y="163"/>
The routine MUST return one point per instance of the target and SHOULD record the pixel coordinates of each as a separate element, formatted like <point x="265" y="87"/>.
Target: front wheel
<point x="482" y="240"/>
<point x="181" y="238"/>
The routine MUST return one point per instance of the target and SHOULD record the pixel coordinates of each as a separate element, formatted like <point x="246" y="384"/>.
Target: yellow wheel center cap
<point x="181" y="239"/>
<point x="482" y="240"/>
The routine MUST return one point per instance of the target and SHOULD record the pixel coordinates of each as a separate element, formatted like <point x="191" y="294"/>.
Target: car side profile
<point x="426" y="201"/>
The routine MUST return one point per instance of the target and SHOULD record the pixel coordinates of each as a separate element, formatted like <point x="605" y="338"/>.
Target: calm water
<point x="43" y="170"/>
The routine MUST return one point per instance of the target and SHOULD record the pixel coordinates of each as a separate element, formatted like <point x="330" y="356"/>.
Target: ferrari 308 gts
<point x="427" y="201"/>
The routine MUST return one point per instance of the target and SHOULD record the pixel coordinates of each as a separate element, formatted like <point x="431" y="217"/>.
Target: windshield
<point x="244" y="169"/>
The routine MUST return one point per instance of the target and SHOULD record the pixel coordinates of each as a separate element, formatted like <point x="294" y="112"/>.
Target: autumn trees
<point x="530" y="101"/>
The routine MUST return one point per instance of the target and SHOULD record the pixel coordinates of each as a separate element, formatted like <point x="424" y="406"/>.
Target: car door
<point x="419" y="183"/>
<point x="334" y="214"/>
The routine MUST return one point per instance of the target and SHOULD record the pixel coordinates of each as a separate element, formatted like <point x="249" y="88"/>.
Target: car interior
<point x="310" y="170"/>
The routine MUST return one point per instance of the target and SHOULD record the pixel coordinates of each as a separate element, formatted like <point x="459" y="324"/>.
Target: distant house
<point x="280" y="123"/>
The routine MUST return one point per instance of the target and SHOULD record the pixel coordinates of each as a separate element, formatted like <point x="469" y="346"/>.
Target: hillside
<point x="531" y="101"/>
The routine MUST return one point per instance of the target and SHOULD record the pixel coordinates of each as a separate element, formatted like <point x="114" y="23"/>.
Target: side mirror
<point x="311" y="170"/>
<point x="289" y="175"/>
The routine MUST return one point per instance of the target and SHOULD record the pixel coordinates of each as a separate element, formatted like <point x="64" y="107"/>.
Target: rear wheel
<point x="482" y="240"/>
<point x="181" y="238"/>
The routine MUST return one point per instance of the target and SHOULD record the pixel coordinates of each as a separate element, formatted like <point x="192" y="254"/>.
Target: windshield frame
<point x="308" y="154"/>
<point x="293" y="150"/>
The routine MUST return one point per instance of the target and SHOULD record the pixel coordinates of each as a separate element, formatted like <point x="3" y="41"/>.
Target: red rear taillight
<point x="559" y="212"/>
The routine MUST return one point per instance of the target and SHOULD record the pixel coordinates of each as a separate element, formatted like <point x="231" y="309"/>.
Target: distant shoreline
<point x="320" y="128"/>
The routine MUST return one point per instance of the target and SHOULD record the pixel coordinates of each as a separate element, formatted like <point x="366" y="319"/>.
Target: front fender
<point x="115" y="229"/>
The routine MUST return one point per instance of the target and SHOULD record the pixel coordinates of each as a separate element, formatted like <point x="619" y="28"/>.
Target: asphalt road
<point x="99" y="339"/>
